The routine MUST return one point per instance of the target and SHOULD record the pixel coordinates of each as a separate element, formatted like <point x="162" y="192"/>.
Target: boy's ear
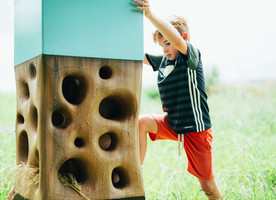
<point x="185" y="36"/>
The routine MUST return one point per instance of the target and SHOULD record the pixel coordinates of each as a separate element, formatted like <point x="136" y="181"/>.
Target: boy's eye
<point x="165" y="44"/>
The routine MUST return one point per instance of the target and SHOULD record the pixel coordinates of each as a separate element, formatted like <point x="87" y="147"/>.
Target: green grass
<point x="244" y="124"/>
<point x="7" y="138"/>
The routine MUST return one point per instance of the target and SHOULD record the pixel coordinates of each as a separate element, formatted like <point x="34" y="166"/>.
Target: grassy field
<point x="244" y="124"/>
<point x="7" y="138"/>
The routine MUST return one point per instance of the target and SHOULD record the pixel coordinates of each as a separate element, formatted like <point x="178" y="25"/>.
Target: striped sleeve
<point x="154" y="61"/>
<point x="193" y="56"/>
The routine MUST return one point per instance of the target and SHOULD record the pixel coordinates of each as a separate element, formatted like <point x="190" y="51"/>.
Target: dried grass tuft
<point x="70" y="181"/>
<point x="26" y="179"/>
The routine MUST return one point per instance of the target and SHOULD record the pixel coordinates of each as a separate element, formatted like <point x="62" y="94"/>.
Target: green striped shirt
<point x="182" y="91"/>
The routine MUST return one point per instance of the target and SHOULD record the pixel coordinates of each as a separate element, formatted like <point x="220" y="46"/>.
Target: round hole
<point x="74" y="89"/>
<point x="20" y="119"/>
<point x="119" y="178"/>
<point x="34" y="117"/>
<point x="57" y="119"/>
<point x="23" y="147"/>
<point x="79" y="142"/>
<point x="117" y="106"/>
<point x="32" y="70"/>
<point x="72" y="170"/>
<point x="61" y="119"/>
<point x="108" y="141"/>
<point x="105" y="72"/>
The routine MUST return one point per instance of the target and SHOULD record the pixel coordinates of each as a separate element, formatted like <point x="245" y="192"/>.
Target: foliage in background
<point x="7" y="138"/>
<point x="212" y="80"/>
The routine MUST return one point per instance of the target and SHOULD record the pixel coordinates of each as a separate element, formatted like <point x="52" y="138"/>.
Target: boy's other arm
<point x="167" y="30"/>
<point x="146" y="62"/>
<point x="153" y="60"/>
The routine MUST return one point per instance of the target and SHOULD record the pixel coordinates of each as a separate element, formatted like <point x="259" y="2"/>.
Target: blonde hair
<point x="179" y="23"/>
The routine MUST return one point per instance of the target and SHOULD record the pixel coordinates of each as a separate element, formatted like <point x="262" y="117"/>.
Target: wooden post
<point x="77" y="112"/>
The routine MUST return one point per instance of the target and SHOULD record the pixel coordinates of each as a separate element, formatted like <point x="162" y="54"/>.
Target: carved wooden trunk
<point x="77" y="118"/>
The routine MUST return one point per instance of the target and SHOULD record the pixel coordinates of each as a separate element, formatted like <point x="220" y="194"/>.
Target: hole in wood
<point x="57" y="119"/>
<point x="32" y="71"/>
<point x="24" y="90"/>
<point x="105" y="72"/>
<point x="119" y="178"/>
<point x="61" y="119"/>
<point x="74" y="89"/>
<point x="23" y="147"/>
<point x="33" y="114"/>
<point x="37" y="158"/>
<point x="108" y="141"/>
<point x="117" y="106"/>
<point x="72" y="170"/>
<point x="79" y="142"/>
<point x="20" y="119"/>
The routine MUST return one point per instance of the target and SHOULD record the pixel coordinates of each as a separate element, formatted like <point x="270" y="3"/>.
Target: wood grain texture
<point x="79" y="116"/>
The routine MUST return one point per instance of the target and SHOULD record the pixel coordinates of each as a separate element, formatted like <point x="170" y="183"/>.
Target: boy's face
<point x="169" y="50"/>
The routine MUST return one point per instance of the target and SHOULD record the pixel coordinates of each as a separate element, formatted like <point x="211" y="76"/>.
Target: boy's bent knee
<point x="144" y="120"/>
<point x="147" y="123"/>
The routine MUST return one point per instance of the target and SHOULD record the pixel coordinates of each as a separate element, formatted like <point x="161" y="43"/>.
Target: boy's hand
<point x="165" y="28"/>
<point x="145" y="6"/>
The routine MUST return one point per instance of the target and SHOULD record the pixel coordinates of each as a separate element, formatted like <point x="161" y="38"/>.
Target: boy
<point x="182" y="91"/>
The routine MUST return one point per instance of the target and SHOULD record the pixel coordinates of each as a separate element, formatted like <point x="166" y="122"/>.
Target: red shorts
<point x="197" y="145"/>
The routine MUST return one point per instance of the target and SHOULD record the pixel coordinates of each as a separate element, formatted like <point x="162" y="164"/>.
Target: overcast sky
<point x="237" y="36"/>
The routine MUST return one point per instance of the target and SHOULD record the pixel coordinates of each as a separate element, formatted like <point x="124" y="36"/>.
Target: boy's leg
<point x="198" y="148"/>
<point x="146" y="124"/>
<point x="210" y="188"/>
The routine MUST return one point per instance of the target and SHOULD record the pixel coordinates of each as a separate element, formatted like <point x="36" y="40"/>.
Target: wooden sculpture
<point x="78" y="96"/>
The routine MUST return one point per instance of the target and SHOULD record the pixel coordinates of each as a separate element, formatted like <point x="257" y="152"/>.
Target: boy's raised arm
<point x="167" y="30"/>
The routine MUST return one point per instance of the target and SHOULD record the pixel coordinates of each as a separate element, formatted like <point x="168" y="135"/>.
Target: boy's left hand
<point x="145" y="6"/>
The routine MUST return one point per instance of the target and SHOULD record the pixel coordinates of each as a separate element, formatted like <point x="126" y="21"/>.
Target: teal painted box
<point x="85" y="28"/>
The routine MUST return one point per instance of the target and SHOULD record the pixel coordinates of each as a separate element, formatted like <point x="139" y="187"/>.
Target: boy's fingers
<point x="143" y="8"/>
<point x="142" y="3"/>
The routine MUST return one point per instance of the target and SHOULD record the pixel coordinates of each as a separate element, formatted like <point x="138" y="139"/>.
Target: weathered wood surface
<point x="79" y="116"/>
